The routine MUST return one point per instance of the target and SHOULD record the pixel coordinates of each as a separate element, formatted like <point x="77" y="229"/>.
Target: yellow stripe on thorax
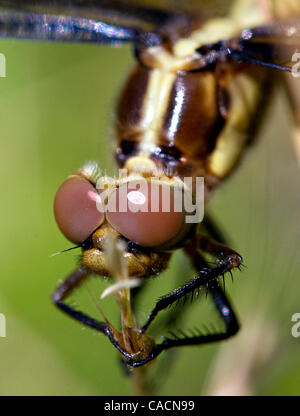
<point x="245" y="94"/>
<point x="243" y="14"/>
<point x="155" y="106"/>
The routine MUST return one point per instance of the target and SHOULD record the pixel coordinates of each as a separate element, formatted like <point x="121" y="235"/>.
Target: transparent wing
<point x="272" y="45"/>
<point x="102" y="21"/>
<point x="117" y="12"/>
<point x="81" y="21"/>
<point x="275" y="43"/>
<point x="278" y="46"/>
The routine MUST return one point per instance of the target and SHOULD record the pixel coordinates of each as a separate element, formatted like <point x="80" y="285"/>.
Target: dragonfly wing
<point x="15" y="24"/>
<point x="116" y="12"/>
<point x="271" y="45"/>
<point x="81" y="21"/>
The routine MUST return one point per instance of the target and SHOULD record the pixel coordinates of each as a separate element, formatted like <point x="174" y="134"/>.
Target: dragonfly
<point x="189" y="108"/>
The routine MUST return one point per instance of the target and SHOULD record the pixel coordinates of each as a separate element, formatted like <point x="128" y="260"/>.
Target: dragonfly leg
<point x="210" y="226"/>
<point x="226" y="258"/>
<point x="72" y="282"/>
<point x="208" y="276"/>
<point x="227" y="314"/>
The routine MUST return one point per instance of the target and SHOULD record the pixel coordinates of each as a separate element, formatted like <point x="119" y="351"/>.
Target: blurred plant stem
<point x="130" y="338"/>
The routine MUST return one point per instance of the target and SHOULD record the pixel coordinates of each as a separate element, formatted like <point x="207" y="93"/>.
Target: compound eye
<point x="145" y="214"/>
<point x="77" y="210"/>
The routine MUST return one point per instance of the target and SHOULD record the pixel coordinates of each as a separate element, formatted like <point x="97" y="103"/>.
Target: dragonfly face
<point x="188" y="109"/>
<point x="122" y="210"/>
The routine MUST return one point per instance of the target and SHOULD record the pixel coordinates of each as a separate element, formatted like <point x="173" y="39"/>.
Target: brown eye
<point x="75" y="209"/>
<point x="137" y="212"/>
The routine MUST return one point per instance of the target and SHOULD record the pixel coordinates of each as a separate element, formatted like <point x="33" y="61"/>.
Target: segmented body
<point x="189" y="122"/>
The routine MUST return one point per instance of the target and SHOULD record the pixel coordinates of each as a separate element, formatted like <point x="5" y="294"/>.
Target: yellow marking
<point x="140" y="164"/>
<point x="245" y="94"/>
<point x="244" y="90"/>
<point x="250" y="13"/>
<point x="155" y="106"/>
<point x="244" y="14"/>
<point x="160" y="58"/>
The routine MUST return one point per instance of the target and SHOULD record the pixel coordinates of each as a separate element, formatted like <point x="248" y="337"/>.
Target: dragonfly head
<point x="148" y="214"/>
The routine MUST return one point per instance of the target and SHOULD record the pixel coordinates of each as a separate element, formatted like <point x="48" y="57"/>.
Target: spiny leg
<point x="227" y="314"/>
<point x="173" y="316"/>
<point x="214" y="231"/>
<point x="172" y="319"/>
<point x="212" y="228"/>
<point x="72" y="282"/>
<point x="226" y="258"/>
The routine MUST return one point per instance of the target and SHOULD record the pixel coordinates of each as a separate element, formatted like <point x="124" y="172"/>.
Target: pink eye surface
<point x="75" y="209"/>
<point x="145" y="214"/>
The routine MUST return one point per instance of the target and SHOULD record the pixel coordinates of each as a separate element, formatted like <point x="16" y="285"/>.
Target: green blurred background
<point x="56" y="113"/>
